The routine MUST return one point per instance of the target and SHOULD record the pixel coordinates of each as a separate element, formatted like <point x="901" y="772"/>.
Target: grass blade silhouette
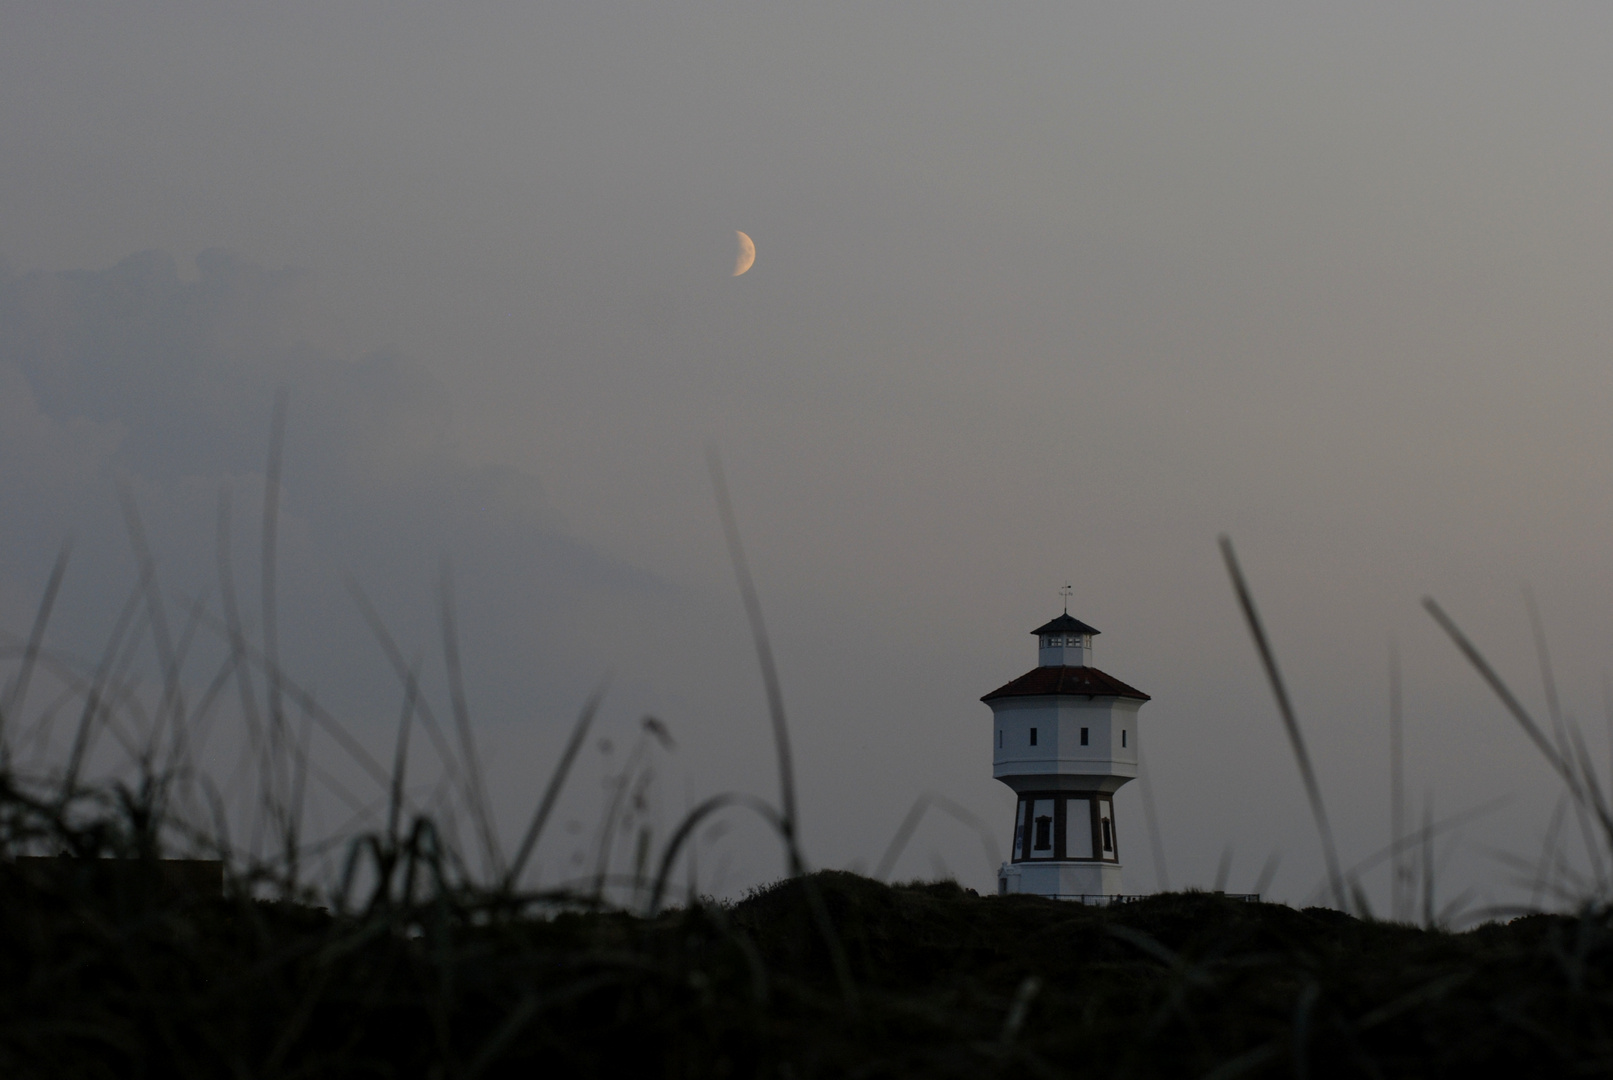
<point x="764" y="657"/>
<point x="557" y="780"/>
<point x="300" y="697"/>
<point x="1268" y="872"/>
<point x="1156" y="840"/>
<point x="268" y="566"/>
<point x="234" y="626"/>
<point x="1223" y="869"/>
<point x="910" y="823"/>
<point x="93" y="696"/>
<point x="173" y="703"/>
<point x="1561" y="764"/>
<point x="1410" y="841"/>
<point x="1548" y="852"/>
<point x="401" y="668"/>
<point x="1565" y="736"/>
<point x="298" y="801"/>
<point x="1296" y="741"/>
<point x="1397" y="788"/>
<point x="467" y="742"/>
<point x="1501" y="690"/>
<point x="17" y="692"/>
<point x="400" y="760"/>
<point x="691" y="821"/>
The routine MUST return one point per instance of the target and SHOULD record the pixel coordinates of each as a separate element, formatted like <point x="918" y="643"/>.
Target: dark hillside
<point x="830" y="975"/>
<point x="1181" y="983"/>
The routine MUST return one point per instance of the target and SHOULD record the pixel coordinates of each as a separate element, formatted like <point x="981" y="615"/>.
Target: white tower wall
<point x="1107" y="759"/>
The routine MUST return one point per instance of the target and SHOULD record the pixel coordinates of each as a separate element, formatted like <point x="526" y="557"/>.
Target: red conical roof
<point x="1053" y="681"/>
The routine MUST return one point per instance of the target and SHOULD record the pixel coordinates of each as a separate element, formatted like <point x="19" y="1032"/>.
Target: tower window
<point x="1083" y="736"/>
<point x="1122" y="736"/>
<point x="1033" y="736"/>
<point x="1044" y="834"/>
<point x="1108" y="836"/>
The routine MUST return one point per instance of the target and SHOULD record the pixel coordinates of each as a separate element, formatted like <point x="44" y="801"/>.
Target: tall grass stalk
<point x="1296" y="741"/>
<point x="16" y="692"/>
<point x="1398" y="873"/>
<point x="1156" y="840"/>
<point x="269" y="566"/>
<point x="915" y="814"/>
<point x="764" y="657"/>
<point x="1566" y="755"/>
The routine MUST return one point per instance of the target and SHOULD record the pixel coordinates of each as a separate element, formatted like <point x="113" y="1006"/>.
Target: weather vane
<point x="1065" y="592"/>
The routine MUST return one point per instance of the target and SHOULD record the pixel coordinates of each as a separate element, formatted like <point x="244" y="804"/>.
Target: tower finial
<point x="1065" y="592"/>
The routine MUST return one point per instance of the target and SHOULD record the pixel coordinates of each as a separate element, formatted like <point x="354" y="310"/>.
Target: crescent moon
<point x="747" y="254"/>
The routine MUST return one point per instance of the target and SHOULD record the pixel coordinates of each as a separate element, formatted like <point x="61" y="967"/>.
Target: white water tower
<point x="1064" y="738"/>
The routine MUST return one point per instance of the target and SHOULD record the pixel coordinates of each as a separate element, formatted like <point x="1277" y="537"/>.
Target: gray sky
<point x="1043" y="293"/>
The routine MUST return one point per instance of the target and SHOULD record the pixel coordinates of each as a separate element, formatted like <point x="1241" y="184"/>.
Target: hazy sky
<point x="1043" y="293"/>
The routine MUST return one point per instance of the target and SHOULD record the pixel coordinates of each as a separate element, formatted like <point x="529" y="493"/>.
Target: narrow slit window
<point x="1033" y="736"/>
<point x="1122" y="736"/>
<point x="1108" y="836"/>
<point x="1083" y="736"/>
<point x="1044" y="833"/>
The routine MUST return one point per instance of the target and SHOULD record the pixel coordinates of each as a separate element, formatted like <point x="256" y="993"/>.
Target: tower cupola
<point x="1064" y="642"/>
